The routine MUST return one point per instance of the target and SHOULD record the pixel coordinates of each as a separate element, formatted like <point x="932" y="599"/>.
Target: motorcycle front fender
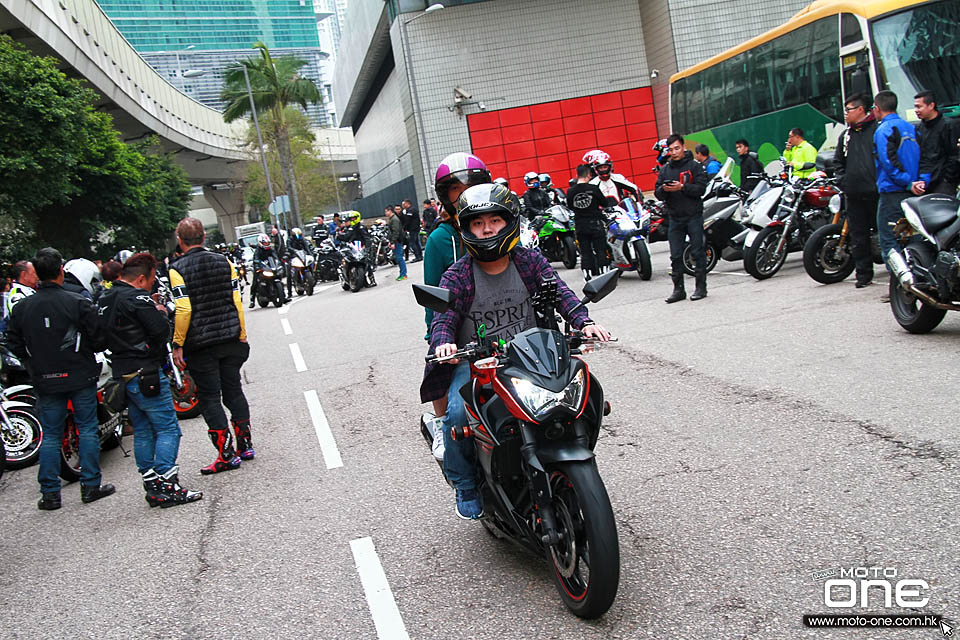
<point x="751" y="235"/>
<point x="563" y="452"/>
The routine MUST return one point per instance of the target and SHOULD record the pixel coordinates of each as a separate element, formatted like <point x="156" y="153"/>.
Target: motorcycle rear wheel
<point x="758" y="259"/>
<point x="823" y="259"/>
<point x="185" y="402"/>
<point x="713" y="256"/>
<point x="22" y="445"/>
<point x="70" y="453"/>
<point x="586" y="563"/>
<point x="910" y="312"/>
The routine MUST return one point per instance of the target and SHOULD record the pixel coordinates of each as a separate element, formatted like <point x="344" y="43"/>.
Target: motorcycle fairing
<point x="543" y="354"/>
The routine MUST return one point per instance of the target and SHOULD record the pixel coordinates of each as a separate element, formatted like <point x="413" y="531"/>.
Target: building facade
<point x="527" y="86"/>
<point x="191" y="42"/>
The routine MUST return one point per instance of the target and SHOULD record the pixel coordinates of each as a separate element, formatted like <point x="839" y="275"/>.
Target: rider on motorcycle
<point x="613" y="185"/>
<point x="263" y="251"/>
<point x="535" y="199"/>
<point x="493" y="285"/>
<point x="556" y="194"/>
<point x="298" y="241"/>
<point x="354" y="231"/>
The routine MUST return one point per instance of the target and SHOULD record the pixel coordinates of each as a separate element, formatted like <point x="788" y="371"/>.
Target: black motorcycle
<point x="826" y="255"/>
<point x="353" y="266"/>
<point x="535" y="413"/>
<point x="270" y="282"/>
<point x="926" y="282"/>
<point x="328" y="261"/>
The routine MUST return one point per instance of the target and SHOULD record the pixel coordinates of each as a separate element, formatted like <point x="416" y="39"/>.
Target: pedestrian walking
<point x="412" y="225"/>
<point x="210" y="338"/>
<point x="137" y="331"/>
<point x="395" y="237"/>
<point x="681" y="184"/>
<point x="57" y="334"/>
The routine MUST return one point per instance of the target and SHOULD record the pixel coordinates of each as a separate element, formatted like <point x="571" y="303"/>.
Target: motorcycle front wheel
<point x="759" y="259"/>
<point x="569" y="252"/>
<point x="824" y="259"/>
<point x="278" y="296"/>
<point x="586" y="562"/>
<point x="21" y="438"/>
<point x="643" y="260"/>
<point x="356" y="279"/>
<point x="310" y="283"/>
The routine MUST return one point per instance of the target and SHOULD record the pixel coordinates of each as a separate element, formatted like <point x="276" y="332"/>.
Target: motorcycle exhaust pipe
<point x="905" y="277"/>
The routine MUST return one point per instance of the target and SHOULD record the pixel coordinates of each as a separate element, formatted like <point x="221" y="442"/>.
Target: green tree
<point x="275" y="84"/>
<point x="66" y="178"/>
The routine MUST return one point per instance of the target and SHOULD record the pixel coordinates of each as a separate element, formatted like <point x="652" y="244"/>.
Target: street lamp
<point x="180" y="69"/>
<point x="412" y="86"/>
<point x="256" y="123"/>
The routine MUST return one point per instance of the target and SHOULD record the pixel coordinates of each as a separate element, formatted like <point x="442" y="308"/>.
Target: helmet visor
<point x="459" y="181"/>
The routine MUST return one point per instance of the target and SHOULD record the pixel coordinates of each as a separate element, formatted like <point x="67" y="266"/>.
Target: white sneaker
<point x="436" y="426"/>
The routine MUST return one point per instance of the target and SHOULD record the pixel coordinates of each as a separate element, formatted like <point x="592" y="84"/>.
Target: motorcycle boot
<point x="587" y="275"/>
<point x="174" y="493"/>
<point x="701" y="290"/>
<point x="94" y="493"/>
<point x="227" y="460"/>
<point x="49" y="502"/>
<point x="153" y="489"/>
<point x="679" y="293"/>
<point x="244" y="442"/>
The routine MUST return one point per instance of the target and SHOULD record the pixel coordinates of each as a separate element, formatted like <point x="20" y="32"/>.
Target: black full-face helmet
<point x="489" y="198"/>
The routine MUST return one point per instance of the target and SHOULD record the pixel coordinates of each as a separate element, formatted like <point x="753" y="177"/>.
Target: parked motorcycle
<point x="826" y="255"/>
<point x="328" y="261"/>
<point x="270" y="282"/>
<point x="528" y="235"/>
<point x="20" y="430"/>
<point x="626" y="244"/>
<point x="110" y="431"/>
<point x="301" y="271"/>
<point x="555" y="232"/>
<point x="15" y="379"/>
<point x="720" y="225"/>
<point x="535" y="414"/>
<point x="380" y="245"/>
<point x="926" y="275"/>
<point x="353" y="266"/>
<point x="802" y="209"/>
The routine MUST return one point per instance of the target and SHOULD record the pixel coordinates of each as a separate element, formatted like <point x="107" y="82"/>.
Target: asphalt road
<point x="770" y="431"/>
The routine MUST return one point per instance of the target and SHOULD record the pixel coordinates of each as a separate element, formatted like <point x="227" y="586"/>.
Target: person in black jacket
<point x="56" y="334"/>
<point x="265" y="250"/>
<point x="587" y="202"/>
<point x="535" y="199"/>
<point x="751" y="171"/>
<point x="938" y="148"/>
<point x="857" y="171"/>
<point x="137" y="331"/>
<point x="211" y="339"/>
<point x="411" y="226"/>
<point x="681" y="184"/>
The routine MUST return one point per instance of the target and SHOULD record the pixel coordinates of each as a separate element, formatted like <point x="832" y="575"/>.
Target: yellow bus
<point x="799" y="74"/>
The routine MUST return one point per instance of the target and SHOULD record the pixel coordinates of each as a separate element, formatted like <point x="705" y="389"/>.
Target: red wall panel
<point x="552" y="137"/>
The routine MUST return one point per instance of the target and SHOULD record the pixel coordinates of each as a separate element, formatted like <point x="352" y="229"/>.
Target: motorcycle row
<point x="21" y="432"/>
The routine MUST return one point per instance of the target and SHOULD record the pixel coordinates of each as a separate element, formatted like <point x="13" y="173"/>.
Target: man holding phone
<point x="681" y="184"/>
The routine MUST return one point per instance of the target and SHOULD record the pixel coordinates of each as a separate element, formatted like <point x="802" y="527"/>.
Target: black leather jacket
<point x="535" y="202"/>
<point x="137" y="332"/>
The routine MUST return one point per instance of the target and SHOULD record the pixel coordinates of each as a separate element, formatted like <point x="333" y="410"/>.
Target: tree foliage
<point x="66" y="178"/>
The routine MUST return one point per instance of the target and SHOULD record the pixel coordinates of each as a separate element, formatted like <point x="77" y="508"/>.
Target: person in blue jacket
<point x="711" y="165"/>
<point x="897" y="157"/>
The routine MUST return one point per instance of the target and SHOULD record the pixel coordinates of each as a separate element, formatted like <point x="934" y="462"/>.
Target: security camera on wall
<point x="460" y="93"/>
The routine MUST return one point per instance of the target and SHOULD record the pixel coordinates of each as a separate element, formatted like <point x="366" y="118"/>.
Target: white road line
<point x="331" y="455"/>
<point x="383" y="608"/>
<point x="286" y="327"/>
<point x="297" y="357"/>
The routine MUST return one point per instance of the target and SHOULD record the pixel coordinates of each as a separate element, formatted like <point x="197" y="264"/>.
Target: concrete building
<point x="524" y="85"/>
<point x="191" y="42"/>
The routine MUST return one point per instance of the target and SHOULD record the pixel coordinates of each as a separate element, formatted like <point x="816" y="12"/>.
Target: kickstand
<point x="126" y="453"/>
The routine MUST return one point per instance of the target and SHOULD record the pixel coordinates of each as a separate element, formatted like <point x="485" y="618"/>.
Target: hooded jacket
<point x="442" y="250"/>
<point x="854" y="158"/>
<point x="686" y="202"/>
<point x="897" y="154"/>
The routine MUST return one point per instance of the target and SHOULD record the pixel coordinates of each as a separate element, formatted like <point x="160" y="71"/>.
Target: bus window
<point x="713" y="96"/>
<point x="825" y="69"/>
<point x="761" y="79"/>
<point x="695" y="120"/>
<point x="849" y="29"/>
<point x="678" y="99"/>
<point x="792" y="53"/>
<point x="738" y="88"/>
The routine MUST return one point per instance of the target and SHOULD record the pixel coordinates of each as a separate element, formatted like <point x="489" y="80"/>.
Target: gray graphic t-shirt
<point x="501" y="302"/>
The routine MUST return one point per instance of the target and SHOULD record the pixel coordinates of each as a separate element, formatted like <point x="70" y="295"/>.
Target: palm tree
<point x="275" y="84"/>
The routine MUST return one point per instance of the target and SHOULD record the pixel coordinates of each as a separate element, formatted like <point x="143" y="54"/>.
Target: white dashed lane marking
<point x="383" y="608"/>
<point x="331" y="455"/>
<point x="286" y="327"/>
<point x="297" y="358"/>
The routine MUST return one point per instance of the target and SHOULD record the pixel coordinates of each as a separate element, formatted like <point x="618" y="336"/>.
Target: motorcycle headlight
<point x="708" y="223"/>
<point x="267" y="274"/>
<point x="539" y="401"/>
<point x="11" y="360"/>
<point x="834" y="204"/>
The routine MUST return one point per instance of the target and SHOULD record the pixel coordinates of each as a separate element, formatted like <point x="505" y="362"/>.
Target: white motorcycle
<point x="626" y="242"/>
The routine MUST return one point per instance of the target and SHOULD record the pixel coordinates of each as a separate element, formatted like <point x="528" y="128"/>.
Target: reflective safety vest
<point x="17" y="293"/>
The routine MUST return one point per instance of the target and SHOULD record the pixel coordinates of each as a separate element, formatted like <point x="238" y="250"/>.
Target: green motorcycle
<point x="556" y="235"/>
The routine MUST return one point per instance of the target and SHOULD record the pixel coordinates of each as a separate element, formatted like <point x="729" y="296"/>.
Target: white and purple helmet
<point x="465" y="168"/>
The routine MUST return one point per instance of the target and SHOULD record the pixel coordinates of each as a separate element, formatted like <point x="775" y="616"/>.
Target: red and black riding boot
<point x="228" y="458"/>
<point x="244" y="444"/>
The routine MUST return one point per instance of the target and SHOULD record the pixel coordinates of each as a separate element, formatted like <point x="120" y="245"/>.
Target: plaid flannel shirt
<point x="533" y="269"/>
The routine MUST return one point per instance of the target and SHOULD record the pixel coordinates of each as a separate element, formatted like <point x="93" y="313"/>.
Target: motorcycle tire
<point x="70" y="454"/>
<point x="310" y="284"/>
<point x="278" y="296"/>
<point x="757" y="260"/>
<point x="357" y="279"/>
<point x="823" y="260"/>
<point x="3" y="458"/>
<point x="263" y="300"/>
<point x="909" y="311"/>
<point x="569" y="252"/>
<point x="22" y="445"/>
<point x="588" y="531"/>
<point x="185" y="402"/>
<point x="643" y="259"/>
<point x="713" y="256"/>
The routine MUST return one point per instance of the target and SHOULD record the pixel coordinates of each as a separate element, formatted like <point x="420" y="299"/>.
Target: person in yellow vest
<point x="799" y="152"/>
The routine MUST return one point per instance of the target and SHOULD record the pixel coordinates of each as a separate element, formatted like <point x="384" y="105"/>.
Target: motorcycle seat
<point x="936" y="211"/>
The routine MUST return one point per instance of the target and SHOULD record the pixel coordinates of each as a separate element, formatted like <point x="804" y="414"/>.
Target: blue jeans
<point x="677" y="233"/>
<point x="52" y="408"/>
<point x="889" y="211"/>
<point x="156" y="430"/>
<point x="398" y="256"/>
<point x="459" y="456"/>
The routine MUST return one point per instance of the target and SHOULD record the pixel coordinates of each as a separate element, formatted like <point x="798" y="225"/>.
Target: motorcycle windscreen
<point x="543" y="353"/>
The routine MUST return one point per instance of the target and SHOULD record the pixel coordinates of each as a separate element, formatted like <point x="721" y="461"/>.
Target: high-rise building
<point x="191" y="42"/>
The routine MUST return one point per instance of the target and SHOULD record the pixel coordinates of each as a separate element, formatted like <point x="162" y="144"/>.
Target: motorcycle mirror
<point x="434" y="298"/>
<point x="598" y="288"/>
